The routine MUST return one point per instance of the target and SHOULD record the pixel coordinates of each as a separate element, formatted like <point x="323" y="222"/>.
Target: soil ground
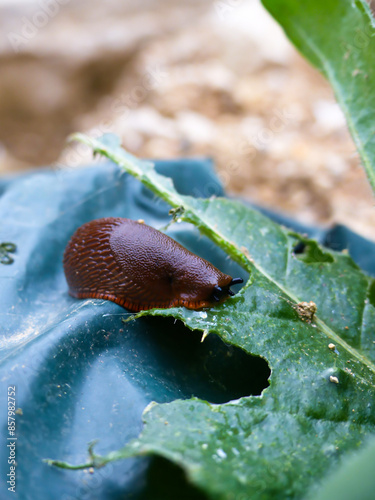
<point x="176" y="80"/>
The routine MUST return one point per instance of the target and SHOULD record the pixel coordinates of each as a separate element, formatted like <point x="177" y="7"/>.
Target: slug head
<point x="200" y="284"/>
<point x="221" y="293"/>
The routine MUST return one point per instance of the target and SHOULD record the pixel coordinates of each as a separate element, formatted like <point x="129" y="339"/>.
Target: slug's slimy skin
<point x="139" y="268"/>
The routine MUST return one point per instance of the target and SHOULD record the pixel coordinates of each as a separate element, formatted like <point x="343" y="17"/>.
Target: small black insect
<point x="299" y="247"/>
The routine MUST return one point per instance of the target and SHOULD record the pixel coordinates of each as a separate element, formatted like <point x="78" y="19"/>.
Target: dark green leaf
<point x="319" y="402"/>
<point x="338" y="37"/>
<point x="354" y="480"/>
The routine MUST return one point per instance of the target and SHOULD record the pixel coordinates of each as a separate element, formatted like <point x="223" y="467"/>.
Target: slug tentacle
<point x="236" y="281"/>
<point x="138" y="267"/>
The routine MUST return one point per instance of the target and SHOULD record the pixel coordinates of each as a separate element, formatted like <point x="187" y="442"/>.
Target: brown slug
<point x="138" y="267"/>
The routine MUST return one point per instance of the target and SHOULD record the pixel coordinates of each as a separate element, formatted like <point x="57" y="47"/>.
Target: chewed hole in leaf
<point x="210" y="370"/>
<point x="166" y="481"/>
<point x="310" y="252"/>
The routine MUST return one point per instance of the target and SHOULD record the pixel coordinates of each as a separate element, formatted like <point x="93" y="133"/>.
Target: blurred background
<point x="178" y="79"/>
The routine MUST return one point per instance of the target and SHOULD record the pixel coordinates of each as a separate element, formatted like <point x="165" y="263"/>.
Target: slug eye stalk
<point x="236" y="281"/>
<point x="220" y="292"/>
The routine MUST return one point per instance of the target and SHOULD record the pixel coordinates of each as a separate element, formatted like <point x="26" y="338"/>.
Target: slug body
<point x="138" y="267"/>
